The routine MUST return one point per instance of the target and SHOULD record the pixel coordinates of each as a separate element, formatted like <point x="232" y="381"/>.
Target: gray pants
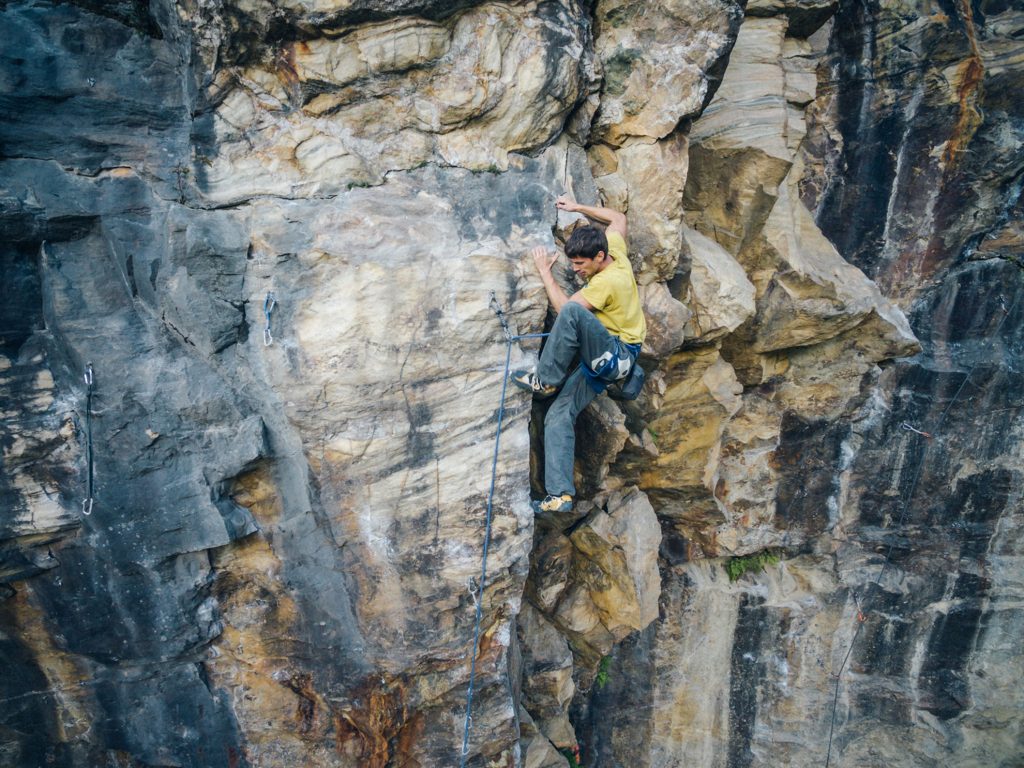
<point x="577" y="335"/>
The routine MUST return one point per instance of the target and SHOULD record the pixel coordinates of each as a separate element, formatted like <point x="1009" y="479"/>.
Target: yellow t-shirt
<point x="612" y="292"/>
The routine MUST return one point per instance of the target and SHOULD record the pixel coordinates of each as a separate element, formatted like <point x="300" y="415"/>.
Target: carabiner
<point x="268" y="306"/>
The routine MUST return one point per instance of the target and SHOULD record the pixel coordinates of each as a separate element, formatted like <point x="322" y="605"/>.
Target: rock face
<point x="272" y="231"/>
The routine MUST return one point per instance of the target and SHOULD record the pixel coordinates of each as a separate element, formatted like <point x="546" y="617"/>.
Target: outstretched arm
<point x="545" y="261"/>
<point x="616" y="221"/>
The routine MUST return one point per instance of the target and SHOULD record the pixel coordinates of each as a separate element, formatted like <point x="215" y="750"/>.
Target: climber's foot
<point x="527" y="379"/>
<point x="550" y="503"/>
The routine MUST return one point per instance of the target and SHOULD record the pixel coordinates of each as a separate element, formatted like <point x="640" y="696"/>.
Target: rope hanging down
<point x="88" y="500"/>
<point x="478" y="597"/>
<point x="887" y="560"/>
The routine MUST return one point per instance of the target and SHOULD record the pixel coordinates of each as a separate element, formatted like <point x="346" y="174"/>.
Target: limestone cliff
<point x="271" y="230"/>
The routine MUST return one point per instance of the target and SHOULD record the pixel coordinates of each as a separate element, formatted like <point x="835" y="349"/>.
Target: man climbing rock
<point x="600" y="327"/>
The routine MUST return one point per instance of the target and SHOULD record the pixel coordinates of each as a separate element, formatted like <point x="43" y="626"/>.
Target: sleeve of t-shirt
<point x="616" y="245"/>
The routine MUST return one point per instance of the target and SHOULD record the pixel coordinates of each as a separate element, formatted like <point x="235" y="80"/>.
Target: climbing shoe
<point x="550" y="503"/>
<point x="527" y="379"/>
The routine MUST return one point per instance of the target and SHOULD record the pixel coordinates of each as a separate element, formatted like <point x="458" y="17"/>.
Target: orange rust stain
<point x="972" y="72"/>
<point x="487" y="643"/>
<point x="408" y="737"/>
<point x="70" y="679"/>
<point x="256" y="490"/>
<point x="305" y="711"/>
<point x="285" y="61"/>
<point x="366" y="728"/>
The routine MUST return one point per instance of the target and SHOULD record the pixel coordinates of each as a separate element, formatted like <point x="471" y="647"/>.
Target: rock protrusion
<point x="590" y="587"/>
<point x="599" y="582"/>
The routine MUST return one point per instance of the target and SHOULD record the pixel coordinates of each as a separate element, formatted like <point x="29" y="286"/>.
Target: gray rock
<point x="288" y="522"/>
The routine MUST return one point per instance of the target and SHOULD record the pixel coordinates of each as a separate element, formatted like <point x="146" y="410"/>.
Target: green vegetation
<point x="570" y="755"/>
<point x="1013" y="260"/>
<point x="602" y="672"/>
<point x="492" y="168"/>
<point x="737" y="566"/>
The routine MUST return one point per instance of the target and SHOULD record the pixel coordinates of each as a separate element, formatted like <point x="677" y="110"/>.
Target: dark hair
<point x="586" y="243"/>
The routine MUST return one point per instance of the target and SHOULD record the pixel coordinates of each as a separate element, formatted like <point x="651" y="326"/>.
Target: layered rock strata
<point x="274" y="229"/>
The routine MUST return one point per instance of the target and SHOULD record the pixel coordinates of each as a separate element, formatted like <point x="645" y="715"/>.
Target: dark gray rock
<point x="927" y="163"/>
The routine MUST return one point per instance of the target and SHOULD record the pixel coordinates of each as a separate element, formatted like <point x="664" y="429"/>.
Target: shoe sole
<point x="527" y="388"/>
<point x="537" y="510"/>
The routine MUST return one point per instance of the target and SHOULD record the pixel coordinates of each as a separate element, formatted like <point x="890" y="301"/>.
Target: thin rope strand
<point x="899" y="524"/>
<point x="483" y="567"/>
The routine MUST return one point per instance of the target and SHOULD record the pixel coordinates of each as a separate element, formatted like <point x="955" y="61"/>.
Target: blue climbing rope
<point x="87" y="502"/>
<point x="510" y="339"/>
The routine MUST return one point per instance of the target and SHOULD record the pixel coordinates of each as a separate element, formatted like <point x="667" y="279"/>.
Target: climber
<point x="601" y="327"/>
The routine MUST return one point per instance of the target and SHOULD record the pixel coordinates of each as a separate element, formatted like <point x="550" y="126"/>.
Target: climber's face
<point x="587" y="268"/>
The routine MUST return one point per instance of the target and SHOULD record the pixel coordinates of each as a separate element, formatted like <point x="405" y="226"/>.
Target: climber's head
<point x="587" y="250"/>
<point x="586" y="243"/>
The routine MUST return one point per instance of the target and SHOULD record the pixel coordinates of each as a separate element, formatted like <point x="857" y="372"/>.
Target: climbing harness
<point x="611" y="366"/>
<point x="478" y="598"/>
<point x="268" y="306"/>
<point x="618" y="367"/>
<point x="87" y="502"/>
<point x="887" y="560"/>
